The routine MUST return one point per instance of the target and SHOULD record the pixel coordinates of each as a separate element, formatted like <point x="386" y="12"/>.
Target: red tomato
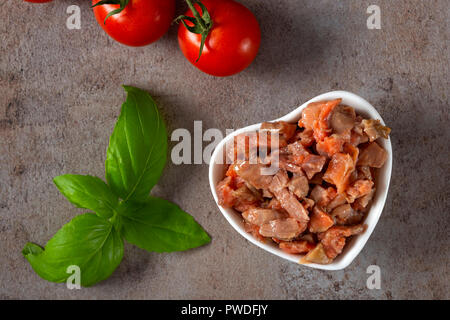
<point x="232" y="43"/>
<point x="140" y="23"/>
<point x="38" y="1"/>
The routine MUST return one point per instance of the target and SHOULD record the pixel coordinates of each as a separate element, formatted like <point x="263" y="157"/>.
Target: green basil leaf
<point x="88" y="192"/>
<point x="88" y="241"/>
<point x="137" y="149"/>
<point x="161" y="226"/>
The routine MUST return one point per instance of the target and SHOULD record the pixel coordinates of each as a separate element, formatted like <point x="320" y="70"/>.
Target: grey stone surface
<point x="60" y="95"/>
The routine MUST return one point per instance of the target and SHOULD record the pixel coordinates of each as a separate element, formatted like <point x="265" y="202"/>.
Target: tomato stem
<point x="196" y="14"/>
<point x="202" y="24"/>
<point x="122" y="3"/>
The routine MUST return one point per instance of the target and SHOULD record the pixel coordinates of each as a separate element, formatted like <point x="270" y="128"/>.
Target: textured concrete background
<point x="60" y="96"/>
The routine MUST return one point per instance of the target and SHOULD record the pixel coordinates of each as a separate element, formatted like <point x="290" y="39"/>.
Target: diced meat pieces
<point x="374" y="129"/>
<point x="317" y="255"/>
<point x="340" y="199"/>
<point x="297" y="149"/>
<point x="290" y="203"/>
<point x="333" y="240"/>
<point x="296" y="246"/>
<point x="239" y="147"/>
<point x="333" y="246"/>
<point x="306" y="137"/>
<point x="317" y="178"/>
<point x="308" y="203"/>
<point x="299" y="185"/>
<point x="298" y="158"/>
<point x="252" y="173"/>
<point x="279" y="181"/>
<point x="342" y="119"/>
<point x="287" y="199"/>
<point x="320" y="221"/>
<point x="248" y="192"/>
<point x="225" y="193"/>
<point x="358" y="138"/>
<point x="244" y="206"/>
<point x="259" y="216"/>
<point x="358" y="135"/>
<point x="323" y="184"/>
<point x="246" y="145"/>
<point x="283" y="229"/>
<point x="275" y="204"/>
<point x="245" y="198"/>
<point x="313" y="164"/>
<point x="361" y="204"/>
<point x="310" y="114"/>
<point x="321" y="126"/>
<point x="285" y="130"/>
<point x="254" y="230"/>
<point x="345" y="215"/>
<point x="237" y="181"/>
<point x="266" y="193"/>
<point x="241" y="198"/>
<point x="358" y="189"/>
<point x="352" y="151"/>
<point x="307" y="237"/>
<point x="364" y="173"/>
<point x="330" y="145"/>
<point x="285" y="162"/>
<point x="353" y="177"/>
<point x="373" y="156"/>
<point x="339" y="170"/>
<point x="322" y="196"/>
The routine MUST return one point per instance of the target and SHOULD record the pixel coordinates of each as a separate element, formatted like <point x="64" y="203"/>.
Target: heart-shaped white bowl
<point x="355" y="245"/>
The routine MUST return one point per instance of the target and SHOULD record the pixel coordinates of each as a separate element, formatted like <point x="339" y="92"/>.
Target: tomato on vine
<point x="219" y="37"/>
<point x="134" y="22"/>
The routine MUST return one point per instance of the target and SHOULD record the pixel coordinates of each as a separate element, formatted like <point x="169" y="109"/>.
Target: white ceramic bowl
<point x="355" y="245"/>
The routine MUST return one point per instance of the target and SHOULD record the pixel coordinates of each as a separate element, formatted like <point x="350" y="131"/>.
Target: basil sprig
<point x="123" y="208"/>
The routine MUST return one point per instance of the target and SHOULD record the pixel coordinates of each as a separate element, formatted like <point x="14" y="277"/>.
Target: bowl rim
<point x="353" y="247"/>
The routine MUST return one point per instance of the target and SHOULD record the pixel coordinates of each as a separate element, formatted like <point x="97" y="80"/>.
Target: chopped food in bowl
<point x="325" y="179"/>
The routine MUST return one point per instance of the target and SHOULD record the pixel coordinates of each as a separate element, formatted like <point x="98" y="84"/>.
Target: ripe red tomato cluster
<point x="229" y="46"/>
